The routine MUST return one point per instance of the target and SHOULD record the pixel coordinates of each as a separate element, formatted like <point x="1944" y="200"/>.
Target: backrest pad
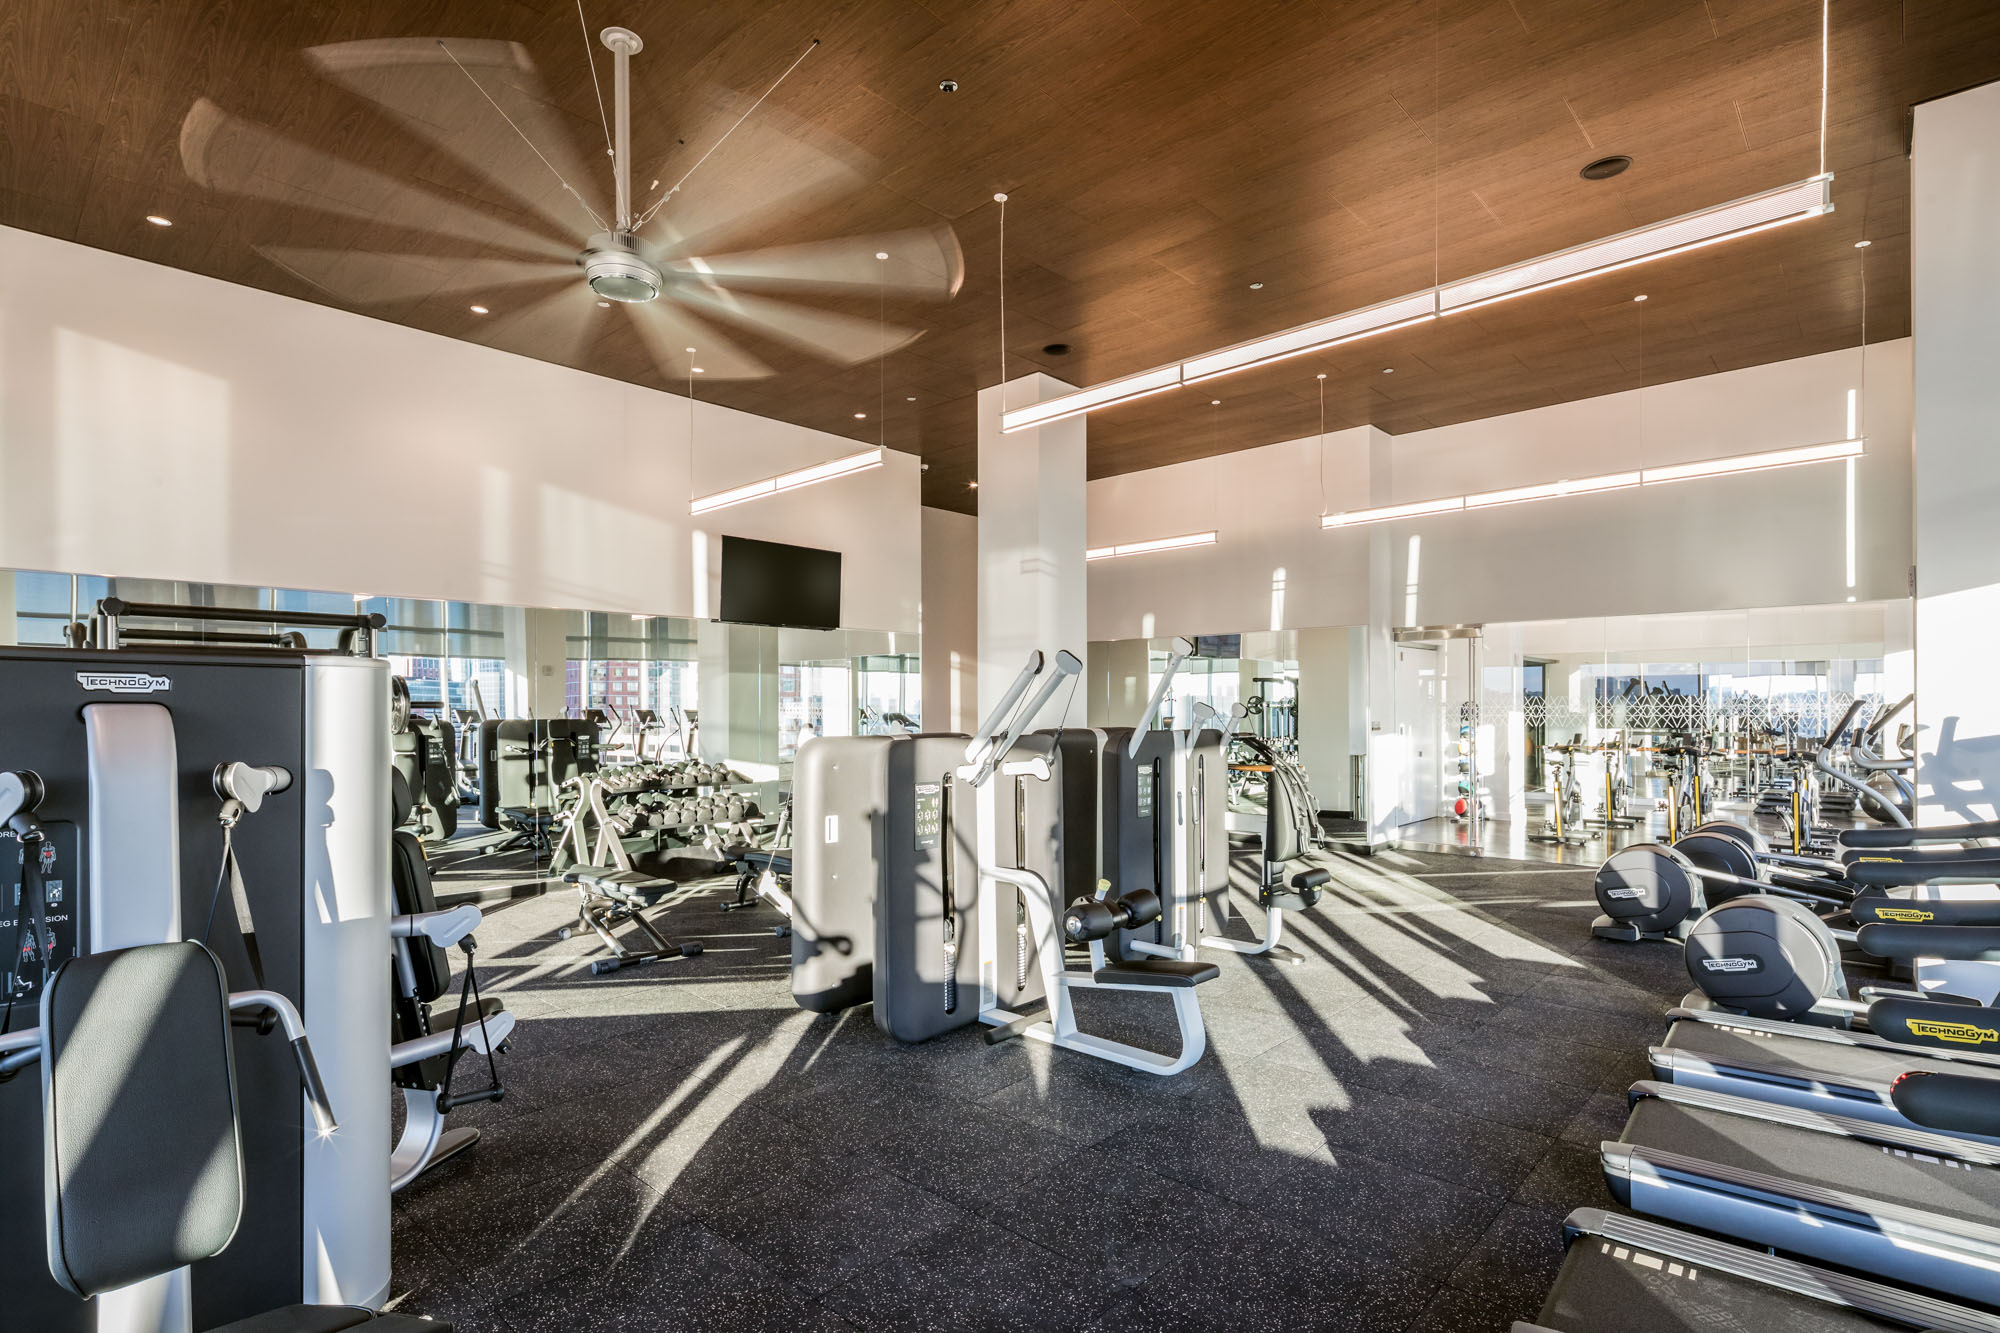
<point x="143" y="1158"/>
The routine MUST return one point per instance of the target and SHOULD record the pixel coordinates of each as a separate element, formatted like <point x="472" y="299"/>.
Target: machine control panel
<point x="1144" y="791"/>
<point x="62" y="910"/>
<point x="930" y="814"/>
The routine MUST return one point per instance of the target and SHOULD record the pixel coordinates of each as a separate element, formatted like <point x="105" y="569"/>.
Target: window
<point x="890" y="687"/>
<point x="814" y="699"/>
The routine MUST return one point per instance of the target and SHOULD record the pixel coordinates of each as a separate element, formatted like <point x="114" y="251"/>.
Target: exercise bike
<point x="1566" y="811"/>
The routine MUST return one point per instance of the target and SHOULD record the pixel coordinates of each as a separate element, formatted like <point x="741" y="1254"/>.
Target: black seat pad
<point x="626" y="885"/>
<point x="1311" y="879"/>
<point x="305" y="1319"/>
<point x="778" y="863"/>
<point x="1165" y="973"/>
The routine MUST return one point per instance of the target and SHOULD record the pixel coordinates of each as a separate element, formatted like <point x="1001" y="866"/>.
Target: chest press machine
<point x="902" y="894"/>
<point x="132" y="775"/>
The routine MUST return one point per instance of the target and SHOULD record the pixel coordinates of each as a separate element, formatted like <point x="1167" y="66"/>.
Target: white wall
<point x="1766" y="539"/>
<point x="161" y="424"/>
<point x="1954" y="296"/>
<point x="951" y="620"/>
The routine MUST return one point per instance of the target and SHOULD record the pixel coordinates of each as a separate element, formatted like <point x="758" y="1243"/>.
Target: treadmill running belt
<point x="1810" y="1057"/>
<point x="1961" y="1193"/>
<point x="1607" y="1286"/>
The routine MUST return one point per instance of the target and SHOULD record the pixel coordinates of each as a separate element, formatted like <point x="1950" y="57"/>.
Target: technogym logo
<point x="1964" y="1034"/>
<point x="1908" y="914"/>
<point x="124" y="682"/>
<point x="1733" y="964"/>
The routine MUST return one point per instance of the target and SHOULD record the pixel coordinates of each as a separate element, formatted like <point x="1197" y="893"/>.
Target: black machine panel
<point x="224" y="709"/>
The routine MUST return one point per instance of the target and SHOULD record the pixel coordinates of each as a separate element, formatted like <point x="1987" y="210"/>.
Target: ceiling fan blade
<point x="923" y="262"/>
<point x="367" y="278"/>
<point x="418" y="81"/>
<point x="232" y="155"/>
<point x="774" y="165"/>
<point x="668" y="333"/>
<point x="557" y="327"/>
<point x="835" y="337"/>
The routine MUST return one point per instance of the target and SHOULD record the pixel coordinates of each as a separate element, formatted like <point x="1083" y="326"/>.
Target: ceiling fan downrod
<point x="623" y="44"/>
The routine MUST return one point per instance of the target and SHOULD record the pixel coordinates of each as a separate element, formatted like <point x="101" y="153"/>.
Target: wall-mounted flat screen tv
<point x="770" y="583"/>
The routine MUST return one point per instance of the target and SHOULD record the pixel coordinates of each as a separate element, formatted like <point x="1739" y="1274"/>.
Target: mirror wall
<point x="1411" y="741"/>
<point x="555" y="693"/>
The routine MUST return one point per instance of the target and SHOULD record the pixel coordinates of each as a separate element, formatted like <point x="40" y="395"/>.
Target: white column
<point x="1325" y="732"/>
<point x="8" y="625"/>
<point x="738" y="689"/>
<point x="1388" y="757"/>
<point x="1955" y="292"/>
<point x="950" y="620"/>
<point x="1031" y="543"/>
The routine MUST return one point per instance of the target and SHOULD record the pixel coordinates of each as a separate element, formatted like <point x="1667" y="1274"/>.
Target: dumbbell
<point x="737" y="808"/>
<point x="1098" y="917"/>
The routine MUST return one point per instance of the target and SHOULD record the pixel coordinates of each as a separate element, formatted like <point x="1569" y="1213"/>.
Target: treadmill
<point x="1911" y="1206"/>
<point x="1831" y="1070"/>
<point x="1628" y="1275"/>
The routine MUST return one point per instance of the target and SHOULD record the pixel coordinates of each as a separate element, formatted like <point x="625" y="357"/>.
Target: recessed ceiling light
<point x="1256" y="286"/>
<point x="1215" y="402"/>
<point x="861" y="416"/>
<point x="1863" y="245"/>
<point x="911" y="399"/>
<point x="1055" y="349"/>
<point x="999" y="198"/>
<point x="1604" y="168"/>
<point x="1640" y="297"/>
<point x="604" y="305"/>
<point x="1322" y="374"/>
<point x="975" y="485"/>
<point x="481" y="310"/>
<point x="159" y="221"/>
<point x="699" y="371"/>
<point x="881" y="254"/>
<point x="1388" y="370"/>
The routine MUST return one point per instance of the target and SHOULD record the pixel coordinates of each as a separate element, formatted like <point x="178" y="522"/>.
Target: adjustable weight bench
<point x="607" y="898"/>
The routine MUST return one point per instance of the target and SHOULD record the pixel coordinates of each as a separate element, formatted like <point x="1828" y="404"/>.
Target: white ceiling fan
<point x="666" y="264"/>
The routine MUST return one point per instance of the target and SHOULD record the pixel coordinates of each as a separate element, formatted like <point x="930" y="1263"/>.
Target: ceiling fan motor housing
<point x="617" y="271"/>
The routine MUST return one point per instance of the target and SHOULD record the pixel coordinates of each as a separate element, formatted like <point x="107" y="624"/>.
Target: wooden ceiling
<point x="1161" y="158"/>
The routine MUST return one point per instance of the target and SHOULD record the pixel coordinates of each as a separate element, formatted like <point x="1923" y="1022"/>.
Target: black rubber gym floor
<point x="1386" y="1136"/>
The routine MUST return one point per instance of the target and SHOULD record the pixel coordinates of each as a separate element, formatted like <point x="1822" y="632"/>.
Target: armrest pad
<point x="443" y="928"/>
<point x="1951" y="1103"/>
<point x="1967" y="944"/>
<point x="1311" y="879"/>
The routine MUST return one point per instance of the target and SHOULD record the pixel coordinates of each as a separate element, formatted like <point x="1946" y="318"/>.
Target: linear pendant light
<point x="1611" y="481"/>
<point x="1399" y="313"/>
<point x="788" y="481"/>
<point x="1157" y="544"/>
<point x="1691" y="231"/>
<point x="1754" y="213"/>
<point x="1720" y="467"/>
<point x="1142" y="385"/>
<point x="1387" y="512"/>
